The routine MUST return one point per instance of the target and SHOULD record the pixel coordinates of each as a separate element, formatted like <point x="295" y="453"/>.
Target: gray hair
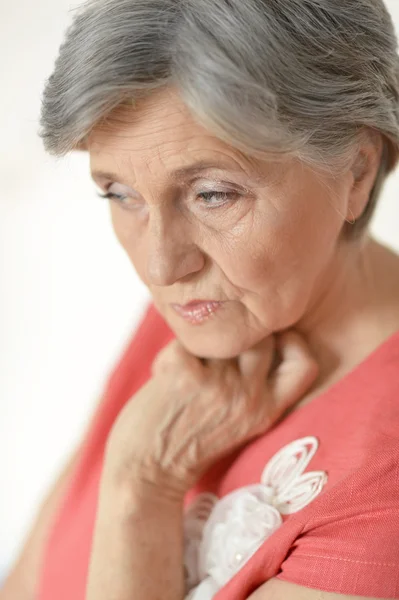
<point x="298" y="77"/>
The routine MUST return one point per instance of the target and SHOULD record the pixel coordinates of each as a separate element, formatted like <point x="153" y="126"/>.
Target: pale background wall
<point x="69" y="298"/>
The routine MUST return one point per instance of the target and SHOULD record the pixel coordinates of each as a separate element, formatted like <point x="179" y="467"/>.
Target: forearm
<point x="137" y="546"/>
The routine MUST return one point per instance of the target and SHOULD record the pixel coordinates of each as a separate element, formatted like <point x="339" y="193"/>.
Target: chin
<point x="216" y="338"/>
<point x="206" y="344"/>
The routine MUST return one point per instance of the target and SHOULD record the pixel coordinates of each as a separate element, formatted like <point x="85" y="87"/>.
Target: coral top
<point x="314" y="501"/>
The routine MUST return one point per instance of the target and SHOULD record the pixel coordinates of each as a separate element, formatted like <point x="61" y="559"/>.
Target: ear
<point x="364" y="170"/>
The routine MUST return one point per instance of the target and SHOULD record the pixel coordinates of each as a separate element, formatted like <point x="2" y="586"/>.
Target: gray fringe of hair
<point x="269" y="77"/>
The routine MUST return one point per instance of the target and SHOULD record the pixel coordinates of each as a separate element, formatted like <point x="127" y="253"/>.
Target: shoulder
<point x="349" y="542"/>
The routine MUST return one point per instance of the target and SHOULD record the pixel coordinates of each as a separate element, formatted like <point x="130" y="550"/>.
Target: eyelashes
<point x="110" y="196"/>
<point x="223" y="198"/>
<point x="118" y="199"/>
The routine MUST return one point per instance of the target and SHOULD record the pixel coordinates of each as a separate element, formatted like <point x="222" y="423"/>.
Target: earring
<point x="353" y="217"/>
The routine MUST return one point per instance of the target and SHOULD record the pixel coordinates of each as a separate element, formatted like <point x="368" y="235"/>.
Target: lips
<point x="196" y="303"/>
<point x="197" y="311"/>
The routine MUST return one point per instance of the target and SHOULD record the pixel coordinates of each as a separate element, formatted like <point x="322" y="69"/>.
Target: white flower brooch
<point x="222" y="535"/>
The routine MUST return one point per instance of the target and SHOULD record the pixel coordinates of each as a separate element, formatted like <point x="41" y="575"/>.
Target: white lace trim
<point x="221" y="535"/>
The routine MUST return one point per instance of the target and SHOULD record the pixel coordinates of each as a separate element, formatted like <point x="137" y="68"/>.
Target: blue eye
<point x="224" y="196"/>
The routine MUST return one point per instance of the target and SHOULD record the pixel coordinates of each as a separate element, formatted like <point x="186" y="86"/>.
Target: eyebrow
<point x="178" y="174"/>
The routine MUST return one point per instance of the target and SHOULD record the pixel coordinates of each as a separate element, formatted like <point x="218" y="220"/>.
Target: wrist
<point x="140" y="474"/>
<point x="131" y="488"/>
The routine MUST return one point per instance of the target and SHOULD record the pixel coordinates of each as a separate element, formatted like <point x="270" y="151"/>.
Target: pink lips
<point x="198" y="311"/>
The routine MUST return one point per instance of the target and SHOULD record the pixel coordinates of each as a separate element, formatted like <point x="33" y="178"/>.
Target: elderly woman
<point x="247" y="444"/>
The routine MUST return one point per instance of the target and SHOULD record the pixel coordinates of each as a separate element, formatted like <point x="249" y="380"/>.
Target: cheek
<point x="263" y="250"/>
<point x="276" y="261"/>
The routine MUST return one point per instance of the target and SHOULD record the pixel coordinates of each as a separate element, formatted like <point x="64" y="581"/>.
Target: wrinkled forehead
<point x="160" y="133"/>
<point x="150" y="122"/>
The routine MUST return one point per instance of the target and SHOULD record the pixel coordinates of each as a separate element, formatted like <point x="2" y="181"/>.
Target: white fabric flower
<point x="222" y="535"/>
<point x="239" y="524"/>
<point x="284" y="474"/>
<point x="204" y="591"/>
<point x="194" y="522"/>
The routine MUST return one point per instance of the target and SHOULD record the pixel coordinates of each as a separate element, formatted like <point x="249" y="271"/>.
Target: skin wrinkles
<point x="158" y="126"/>
<point x="234" y="157"/>
<point x="274" y="255"/>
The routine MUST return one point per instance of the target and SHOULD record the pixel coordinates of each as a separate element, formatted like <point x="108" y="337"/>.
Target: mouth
<point x="197" y="312"/>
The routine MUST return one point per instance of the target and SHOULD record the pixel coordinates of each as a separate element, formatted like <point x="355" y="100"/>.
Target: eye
<point x="118" y="198"/>
<point x="223" y="197"/>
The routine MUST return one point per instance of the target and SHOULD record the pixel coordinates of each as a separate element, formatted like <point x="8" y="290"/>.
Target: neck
<point x="356" y="311"/>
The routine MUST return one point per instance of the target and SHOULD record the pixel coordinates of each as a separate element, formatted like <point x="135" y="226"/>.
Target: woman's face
<point x="260" y="236"/>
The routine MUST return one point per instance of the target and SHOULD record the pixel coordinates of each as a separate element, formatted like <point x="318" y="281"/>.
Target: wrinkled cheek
<point x="274" y="283"/>
<point x="254" y="265"/>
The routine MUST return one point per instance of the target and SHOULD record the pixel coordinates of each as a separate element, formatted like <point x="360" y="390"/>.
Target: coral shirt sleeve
<point x="351" y="543"/>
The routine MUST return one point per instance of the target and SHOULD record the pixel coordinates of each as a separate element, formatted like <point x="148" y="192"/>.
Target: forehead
<point x="159" y="115"/>
<point x="159" y="130"/>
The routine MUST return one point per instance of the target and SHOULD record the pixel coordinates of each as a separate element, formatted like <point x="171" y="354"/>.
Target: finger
<point x="296" y="373"/>
<point x="256" y="363"/>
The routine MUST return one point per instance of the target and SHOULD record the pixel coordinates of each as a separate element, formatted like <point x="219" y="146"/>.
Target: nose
<point x="172" y="254"/>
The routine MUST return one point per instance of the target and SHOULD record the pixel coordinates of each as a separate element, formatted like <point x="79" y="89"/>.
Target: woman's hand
<point x="192" y="412"/>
